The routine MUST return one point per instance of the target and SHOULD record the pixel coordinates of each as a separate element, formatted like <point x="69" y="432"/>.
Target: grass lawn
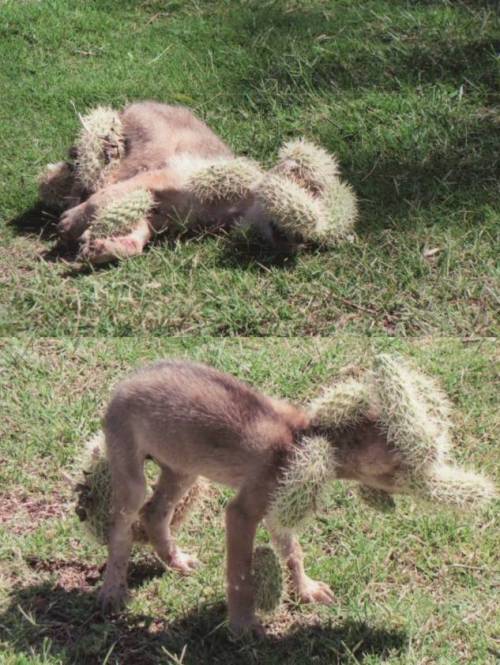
<point x="416" y="587"/>
<point x="403" y="91"/>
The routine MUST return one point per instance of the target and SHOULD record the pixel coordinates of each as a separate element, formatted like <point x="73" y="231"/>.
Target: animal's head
<point x="389" y="428"/>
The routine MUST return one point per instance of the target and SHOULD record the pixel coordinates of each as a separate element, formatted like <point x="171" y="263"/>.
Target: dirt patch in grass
<point x="23" y="513"/>
<point x="70" y="574"/>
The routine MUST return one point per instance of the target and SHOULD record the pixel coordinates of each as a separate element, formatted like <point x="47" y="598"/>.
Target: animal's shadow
<point x="47" y="617"/>
<point x="237" y="249"/>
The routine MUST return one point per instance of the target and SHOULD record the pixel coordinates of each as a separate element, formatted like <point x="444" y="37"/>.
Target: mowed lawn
<point x="415" y="587"/>
<point x="404" y="92"/>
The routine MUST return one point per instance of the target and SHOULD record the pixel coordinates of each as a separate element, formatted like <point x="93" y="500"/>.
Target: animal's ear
<point x="455" y="486"/>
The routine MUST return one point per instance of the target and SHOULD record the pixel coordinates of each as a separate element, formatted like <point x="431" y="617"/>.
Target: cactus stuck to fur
<point x="342" y="214"/>
<point x="309" y="165"/>
<point x="414" y="413"/>
<point x="99" y="146"/>
<point x="94" y="495"/>
<point x="324" y="219"/>
<point x="416" y="420"/>
<point x="94" y="491"/>
<point x="121" y="216"/>
<point x="454" y="486"/>
<point x="268" y="579"/>
<point x="346" y="401"/>
<point x="229" y="180"/>
<point x="302" y="488"/>
<point x="294" y="210"/>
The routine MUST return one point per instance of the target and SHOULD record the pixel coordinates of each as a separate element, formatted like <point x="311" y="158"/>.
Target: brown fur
<point x="195" y="421"/>
<point x="157" y="136"/>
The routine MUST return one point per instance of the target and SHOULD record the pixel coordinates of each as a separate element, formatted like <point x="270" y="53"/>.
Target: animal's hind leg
<point x="103" y="250"/>
<point x="129" y="494"/>
<point x="156" y="517"/>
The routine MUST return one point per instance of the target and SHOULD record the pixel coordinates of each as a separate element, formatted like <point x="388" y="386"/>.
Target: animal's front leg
<point x="103" y="250"/>
<point x="75" y="221"/>
<point x="241" y="525"/>
<point x="306" y="589"/>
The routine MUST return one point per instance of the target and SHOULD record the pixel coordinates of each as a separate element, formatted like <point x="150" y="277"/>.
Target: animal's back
<point x="191" y="416"/>
<point x="156" y="133"/>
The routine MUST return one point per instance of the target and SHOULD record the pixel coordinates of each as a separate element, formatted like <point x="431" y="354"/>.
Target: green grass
<point x="404" y="92"/>
<point x="412" y="588"/>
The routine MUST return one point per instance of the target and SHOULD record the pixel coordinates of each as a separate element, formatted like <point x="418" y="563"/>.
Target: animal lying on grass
<point x="154" y="168"/>
<point x="386" y="428"/>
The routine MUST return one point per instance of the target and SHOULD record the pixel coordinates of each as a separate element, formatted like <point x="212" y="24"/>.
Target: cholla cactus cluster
<point x="341" y="208"/>
<point x="346" y="401"/>
<point x="94" y="495"/>
<point x="267" y="578"/>
<point x="97" y="152"/>
<point x="302" y="488"/>
<point x="416" y="420"/>
<point x="99" y="147"/>
<point x="305" y="197"/>
<point x="94" y="490"/>
<point x="289" y="206"/>
<point x="415" y="414"/>
<point x="308" y="165"/>
<point x="121" y="216"/>
<point x="230" y="180"/>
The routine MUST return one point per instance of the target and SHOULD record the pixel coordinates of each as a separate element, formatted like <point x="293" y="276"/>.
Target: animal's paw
<point x="181" y="561"/>
<point x="94" y="251"/>
<point x="112" y="598"/>
<point x="246" y="628"/>
<point x="313" y="591"/>
<point x="72" y="223"/>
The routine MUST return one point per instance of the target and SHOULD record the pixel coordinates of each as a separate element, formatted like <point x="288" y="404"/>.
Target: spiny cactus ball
<point x="99" y="146"/>
<point x="302" y="488"/>
<point x="55" y="184"/>
<point x="341" y="214"/>
<point x="94" y="494"/>
<point x="121" y="216"/>
<point x="294" y="210"/>
<point x="342" y="404"/>
<point x="308" y="165"/>
<point x="230" y="180"/>
<point x="416" y="421"/>
<point x="415" y="415"/>
<point x="456" y="487"/>
<point x="376" y="499"/>
<point x="267" y="579"/>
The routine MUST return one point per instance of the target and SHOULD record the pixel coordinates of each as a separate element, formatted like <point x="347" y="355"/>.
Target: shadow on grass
<point x="386" y="51"/>
<point x="64" y="622"/>
<point x="37" y="220"/>
<point x="250" y="252"/>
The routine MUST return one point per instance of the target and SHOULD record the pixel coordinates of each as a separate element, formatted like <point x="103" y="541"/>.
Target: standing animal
<point x="387" y="431"/>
